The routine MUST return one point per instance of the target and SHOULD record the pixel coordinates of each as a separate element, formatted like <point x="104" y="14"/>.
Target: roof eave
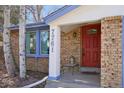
<point x="60" y="12"/>
<point x="32" y="26"/>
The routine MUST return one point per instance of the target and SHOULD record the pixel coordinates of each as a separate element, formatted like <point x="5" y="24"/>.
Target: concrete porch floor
<point x="78" y="80"/>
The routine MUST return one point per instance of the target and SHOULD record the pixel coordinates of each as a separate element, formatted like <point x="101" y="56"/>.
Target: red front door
<point x="91" y="45"/>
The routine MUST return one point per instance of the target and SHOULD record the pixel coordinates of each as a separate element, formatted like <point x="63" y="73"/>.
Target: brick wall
<point x="40" y="64"/>
<point x="70" y="46"/>
<point x="111" y="51"/>
<point x="15" y="46"/>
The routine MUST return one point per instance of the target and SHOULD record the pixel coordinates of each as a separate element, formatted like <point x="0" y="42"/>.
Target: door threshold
<point x="90" y="69"/>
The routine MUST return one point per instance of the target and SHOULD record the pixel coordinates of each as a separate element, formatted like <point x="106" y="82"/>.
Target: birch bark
<point x="9" y="62"/>
<point x="22" y="32"/>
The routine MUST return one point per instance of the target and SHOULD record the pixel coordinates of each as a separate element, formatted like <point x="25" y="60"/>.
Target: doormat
<point x="90" y="73"/>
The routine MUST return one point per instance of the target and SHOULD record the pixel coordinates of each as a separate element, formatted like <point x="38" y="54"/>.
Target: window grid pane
<point x="28" y="43"/>
<point x="44" y="42"/>
<point x="31" y="42"/>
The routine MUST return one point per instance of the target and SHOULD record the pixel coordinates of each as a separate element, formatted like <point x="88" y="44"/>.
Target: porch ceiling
<point x="70" y="27"/>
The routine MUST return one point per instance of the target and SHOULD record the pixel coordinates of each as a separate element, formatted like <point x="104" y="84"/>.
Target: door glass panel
<point x="92" y="31"/>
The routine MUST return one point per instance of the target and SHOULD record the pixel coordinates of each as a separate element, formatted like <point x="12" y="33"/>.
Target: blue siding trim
<point x="30" y="55"/>
<point x="123" y="52"/>
<point x="38" y="28"/>
<point x="30" y="27"/>
<point x="37" y="43"/>
<point x="40" y="44"/>
<point x="44" y="56"/>
<point x="54" y="78"/>
<point x="37" y="56"/>
<point x="60" y="12"/>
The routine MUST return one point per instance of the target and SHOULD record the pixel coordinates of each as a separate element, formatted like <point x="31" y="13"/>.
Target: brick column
<point x="111" y="51"/>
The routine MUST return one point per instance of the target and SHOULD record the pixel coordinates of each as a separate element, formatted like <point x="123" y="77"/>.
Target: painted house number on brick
<point x="52" y="41"/>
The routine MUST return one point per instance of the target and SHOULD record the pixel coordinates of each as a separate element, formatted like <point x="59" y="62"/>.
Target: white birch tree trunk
<point x="9" y="62"/>
<point x="22" y="32"/>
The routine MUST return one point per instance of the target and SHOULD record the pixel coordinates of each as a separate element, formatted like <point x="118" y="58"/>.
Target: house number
<point x="52" y="41"/>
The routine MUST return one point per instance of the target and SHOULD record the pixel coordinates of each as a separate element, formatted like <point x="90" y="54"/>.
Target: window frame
<point x="29" y="54"/>
<point x="38" y="53"/>
<point x="44" y="55"/>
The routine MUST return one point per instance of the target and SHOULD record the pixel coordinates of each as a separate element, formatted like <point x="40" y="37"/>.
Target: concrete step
<point x="59" y="84"/>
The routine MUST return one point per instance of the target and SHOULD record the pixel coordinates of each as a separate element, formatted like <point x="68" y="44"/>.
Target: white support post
<point x="54" y="53"/>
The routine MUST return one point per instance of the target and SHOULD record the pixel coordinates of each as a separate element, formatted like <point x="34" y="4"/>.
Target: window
<point x="92" y="31"/>
<point x="44" y="42"/>
<point x="31" y="43"/>
<point x="37" y="43"/>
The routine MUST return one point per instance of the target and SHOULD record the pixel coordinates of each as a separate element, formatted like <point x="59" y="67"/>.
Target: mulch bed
<point x="12" y="82"/>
